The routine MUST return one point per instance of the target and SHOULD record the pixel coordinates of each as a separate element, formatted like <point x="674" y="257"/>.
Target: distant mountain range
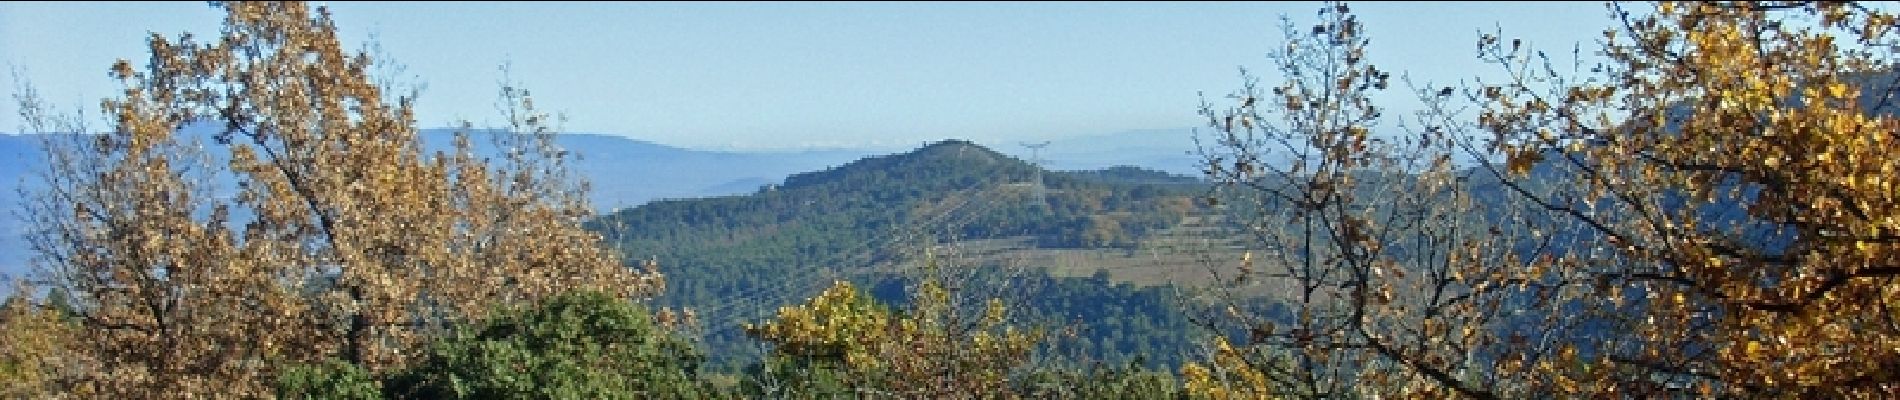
<point x="21" y="155"/>
<point x="626" y="172"/>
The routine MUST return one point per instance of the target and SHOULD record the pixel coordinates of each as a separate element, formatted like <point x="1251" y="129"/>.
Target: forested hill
<point x="735" y="259"/>
<point x="951" y="187"/>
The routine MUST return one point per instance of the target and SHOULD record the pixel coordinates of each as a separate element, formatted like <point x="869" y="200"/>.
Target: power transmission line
<point x="1035" y="161"/>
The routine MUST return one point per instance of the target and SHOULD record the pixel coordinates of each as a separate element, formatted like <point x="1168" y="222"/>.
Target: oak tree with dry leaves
<point x="1711" y="212"/>
<point x="327" y="232"/>
<point x="1739" y="158"/>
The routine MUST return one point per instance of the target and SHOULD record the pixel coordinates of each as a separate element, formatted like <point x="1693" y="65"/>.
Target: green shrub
<point x="582" y="345"/>
<point x="332" y="380"/>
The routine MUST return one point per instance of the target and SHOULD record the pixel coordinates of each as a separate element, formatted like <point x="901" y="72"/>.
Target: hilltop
<point x="873" y="221"/>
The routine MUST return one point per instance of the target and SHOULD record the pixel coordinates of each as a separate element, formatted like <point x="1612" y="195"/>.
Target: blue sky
<point x="798" y="75"/>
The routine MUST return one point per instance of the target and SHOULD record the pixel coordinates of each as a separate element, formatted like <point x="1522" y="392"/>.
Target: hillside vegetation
<point x="1711" y="212"/>
<point x="735" y="258"/>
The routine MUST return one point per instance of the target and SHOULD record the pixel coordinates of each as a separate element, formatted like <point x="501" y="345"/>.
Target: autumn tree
<point x="309" y="226"/>
<point x="1710" y="213"/>
<point x="1376" y="266"/>
<point x="1737" y="159"/>
<point x="575" y="345"/>
<point x="36" y="344"/>
<point x="844" y="343"/>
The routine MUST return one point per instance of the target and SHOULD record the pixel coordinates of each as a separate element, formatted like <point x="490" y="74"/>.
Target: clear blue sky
<point x="792" y="75"/>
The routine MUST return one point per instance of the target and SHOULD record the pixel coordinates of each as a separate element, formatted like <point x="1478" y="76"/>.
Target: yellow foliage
<point x="358" y="246"/>
<point x="35" y="348"/>
<point x="1761" y="107"/>
<point x="837" y="323"/>
<point x="927" y="352"/>
<point x="1228" y="376"/>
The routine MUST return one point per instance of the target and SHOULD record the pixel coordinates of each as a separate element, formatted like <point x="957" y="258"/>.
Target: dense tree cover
<point x="34" y="343"/>
<point x="842" y="343"/>
<point x="735" y="258"/>
<point x="1092" y="321"/>
<point x="1710" y="213"/>
<point x="1099" y="381"/>
<point x="575" y="345"/>
<point x="986" y="194"/>
<point x="943" y="341"/>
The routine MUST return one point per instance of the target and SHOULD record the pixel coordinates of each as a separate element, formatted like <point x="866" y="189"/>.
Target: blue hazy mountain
<point x="629" y="172"/>
<point x="19" y="157"/>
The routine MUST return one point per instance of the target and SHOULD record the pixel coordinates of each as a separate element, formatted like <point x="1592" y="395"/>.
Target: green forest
<point x="735" y="259"/>
<point x="1709" y="213"/>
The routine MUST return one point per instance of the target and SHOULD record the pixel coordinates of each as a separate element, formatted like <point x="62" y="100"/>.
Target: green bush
<point x="332" y="380"/>
<point x="582" y="345"/>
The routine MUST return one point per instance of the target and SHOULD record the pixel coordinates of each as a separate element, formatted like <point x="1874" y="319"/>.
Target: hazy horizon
<point x="787" y="76"/>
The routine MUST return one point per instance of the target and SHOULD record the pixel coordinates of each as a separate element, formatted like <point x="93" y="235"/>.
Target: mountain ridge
<point x="734" y="258"/>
